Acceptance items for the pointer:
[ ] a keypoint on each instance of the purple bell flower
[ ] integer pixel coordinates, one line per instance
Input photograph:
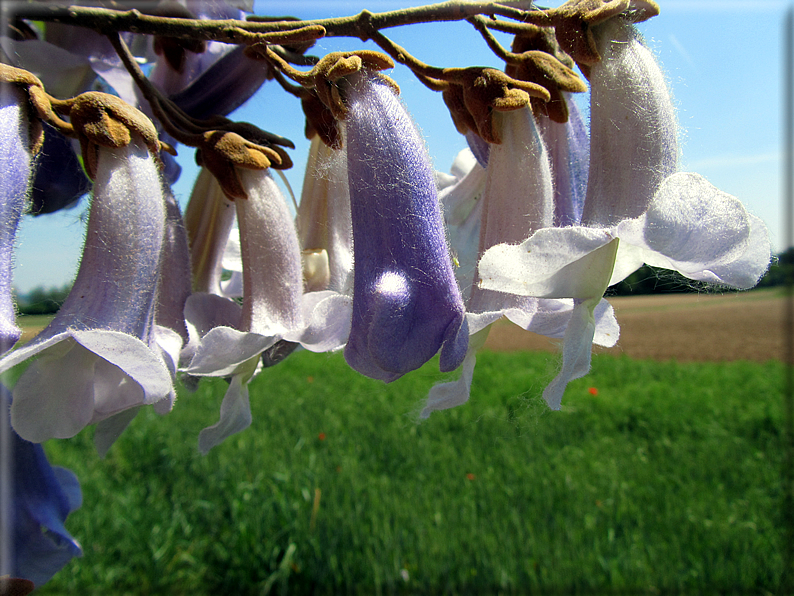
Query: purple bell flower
(224, 86)
(36, 499)
(406, 303)
(59, 179)
(235, 341)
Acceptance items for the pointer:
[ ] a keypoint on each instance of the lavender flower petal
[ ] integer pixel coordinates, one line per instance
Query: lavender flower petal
(406, 303)
(15, 169)
(569, 154)
(40, 498)
(224, 86)
(633, 127)
(60, 181)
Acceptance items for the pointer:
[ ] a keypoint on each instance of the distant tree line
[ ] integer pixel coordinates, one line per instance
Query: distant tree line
(646, 280)
(651, 280)
(782, 270)
(41, 301)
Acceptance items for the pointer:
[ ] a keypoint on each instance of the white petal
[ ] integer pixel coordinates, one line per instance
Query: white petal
(692, 221)
(329, 315)
(553, 316)
(131, 356)
(479, 321)
(703, 233)
(576, 353)
(449, 395)
(630, 257)
(169, 343)
(573, 262)
(550, 319)
(206, 311)
(235, 415)
(224, 350)
(202, 313)
(746, 270)
(444, 180)
(607, 331)
(114, 391)
(11, 359)
(463, 163)
(110, 429)
(54, 397)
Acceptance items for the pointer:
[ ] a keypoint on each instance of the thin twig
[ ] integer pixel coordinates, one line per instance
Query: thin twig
(360, 26)
(515, 28)
(159, 104)
(402, 56)
(296, 90)
(480, 24)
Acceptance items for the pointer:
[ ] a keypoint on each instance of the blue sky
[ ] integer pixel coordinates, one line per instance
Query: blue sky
(723, 60)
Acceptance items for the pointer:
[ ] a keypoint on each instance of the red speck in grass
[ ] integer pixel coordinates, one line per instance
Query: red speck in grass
(470, 476)
(321, 436)
(310, 379)
(592, 391)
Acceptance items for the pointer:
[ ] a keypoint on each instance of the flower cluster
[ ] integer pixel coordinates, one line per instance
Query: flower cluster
(385, 259)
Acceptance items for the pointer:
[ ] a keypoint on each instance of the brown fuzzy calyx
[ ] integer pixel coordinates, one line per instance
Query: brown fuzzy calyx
(104, 120)
(320, 120)
(473, 94)
(574, 20)
(335, 66)
(537, 57)
(39, 102)
(222, 152)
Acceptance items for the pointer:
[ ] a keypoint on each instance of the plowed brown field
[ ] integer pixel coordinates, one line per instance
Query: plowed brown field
(684, 327)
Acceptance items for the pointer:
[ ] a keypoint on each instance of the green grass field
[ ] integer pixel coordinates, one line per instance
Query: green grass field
(668, 480)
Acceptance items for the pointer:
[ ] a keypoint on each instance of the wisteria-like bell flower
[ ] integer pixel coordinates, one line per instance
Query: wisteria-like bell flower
(518, 200)
(275, 309)
(406, 303)
(101, 354)
(637, 210)
(15, 170)
(37, 498)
